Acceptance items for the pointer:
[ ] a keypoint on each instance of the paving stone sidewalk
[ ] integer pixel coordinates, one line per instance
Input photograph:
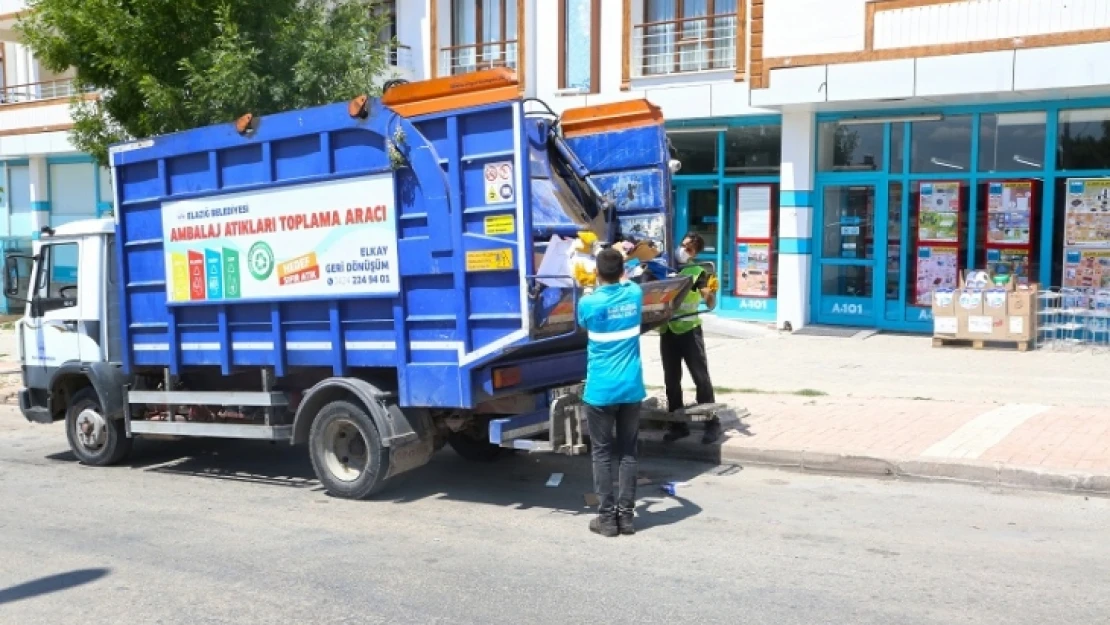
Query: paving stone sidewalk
(1022, 445)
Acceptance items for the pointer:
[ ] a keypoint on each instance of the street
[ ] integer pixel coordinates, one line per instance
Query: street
(227, 532)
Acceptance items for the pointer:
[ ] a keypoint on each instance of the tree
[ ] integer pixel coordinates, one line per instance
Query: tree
(162, 66)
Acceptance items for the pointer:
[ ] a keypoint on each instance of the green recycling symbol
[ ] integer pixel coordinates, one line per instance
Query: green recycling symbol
(260, 261)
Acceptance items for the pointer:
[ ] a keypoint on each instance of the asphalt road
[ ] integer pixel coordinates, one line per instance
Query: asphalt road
(222, 532)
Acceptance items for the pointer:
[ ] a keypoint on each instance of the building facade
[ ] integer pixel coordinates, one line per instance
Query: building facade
(845, 158)
(841, 159)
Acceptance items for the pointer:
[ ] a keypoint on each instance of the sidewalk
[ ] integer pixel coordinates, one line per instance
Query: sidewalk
(892, 366)
(894, 405)
(1022, 445)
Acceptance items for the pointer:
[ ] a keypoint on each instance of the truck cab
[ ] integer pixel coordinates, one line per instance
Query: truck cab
(67, 330)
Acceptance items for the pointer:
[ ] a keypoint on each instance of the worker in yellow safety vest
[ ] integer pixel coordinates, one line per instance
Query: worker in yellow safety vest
(681, 340)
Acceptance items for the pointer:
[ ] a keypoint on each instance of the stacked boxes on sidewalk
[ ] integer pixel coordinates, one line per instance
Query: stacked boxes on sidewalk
(985, 309)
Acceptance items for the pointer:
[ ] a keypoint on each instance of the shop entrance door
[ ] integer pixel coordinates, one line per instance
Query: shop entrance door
(850, 272)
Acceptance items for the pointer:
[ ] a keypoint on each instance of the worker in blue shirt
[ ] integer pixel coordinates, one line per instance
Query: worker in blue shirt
(614, 389)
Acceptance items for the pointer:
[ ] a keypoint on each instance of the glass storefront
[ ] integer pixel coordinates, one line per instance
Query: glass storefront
(727, 192)
(905, 201)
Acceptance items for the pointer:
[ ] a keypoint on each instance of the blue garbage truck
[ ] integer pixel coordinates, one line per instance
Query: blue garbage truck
(361, 278)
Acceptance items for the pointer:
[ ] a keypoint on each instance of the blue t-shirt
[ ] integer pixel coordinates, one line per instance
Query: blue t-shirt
(611, 317)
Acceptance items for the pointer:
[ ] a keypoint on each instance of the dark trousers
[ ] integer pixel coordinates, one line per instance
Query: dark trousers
(602, 421)
(689, 347)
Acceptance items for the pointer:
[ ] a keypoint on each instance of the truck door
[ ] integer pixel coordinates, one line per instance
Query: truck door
(51, 333)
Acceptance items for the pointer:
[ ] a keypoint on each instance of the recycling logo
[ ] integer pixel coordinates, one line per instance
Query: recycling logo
(260, 260)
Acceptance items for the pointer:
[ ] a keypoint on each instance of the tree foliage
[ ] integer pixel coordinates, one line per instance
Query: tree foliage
(162, 66)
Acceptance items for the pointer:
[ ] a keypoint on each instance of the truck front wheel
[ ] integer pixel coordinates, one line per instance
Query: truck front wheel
(347, 451)
(95, 439)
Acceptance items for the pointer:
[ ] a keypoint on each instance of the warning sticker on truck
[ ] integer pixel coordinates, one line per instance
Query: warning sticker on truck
(311, 240)
(499, 183)
(500, 224)
(490, 260)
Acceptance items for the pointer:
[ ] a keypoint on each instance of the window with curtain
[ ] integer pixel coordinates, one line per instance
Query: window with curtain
(687, 36)
(580, 34)
(483, 35)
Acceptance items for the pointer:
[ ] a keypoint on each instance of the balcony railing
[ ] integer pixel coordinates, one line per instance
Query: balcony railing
(474, 57)
(61, 88)
(399, 56)
(693, 44)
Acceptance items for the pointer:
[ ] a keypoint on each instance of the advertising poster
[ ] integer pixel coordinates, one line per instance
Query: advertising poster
(938, 216)
(1009, 212)
(1087, 220)
(937, 268)
(1086, 268)
(753, 270)
(1009, 262)
(753, 212)
(313, 240)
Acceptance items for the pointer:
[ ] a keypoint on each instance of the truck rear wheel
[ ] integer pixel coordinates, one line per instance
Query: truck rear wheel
(347, 451)
(95, 439)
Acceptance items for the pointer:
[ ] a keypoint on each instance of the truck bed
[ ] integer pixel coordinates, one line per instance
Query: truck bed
(402, 243)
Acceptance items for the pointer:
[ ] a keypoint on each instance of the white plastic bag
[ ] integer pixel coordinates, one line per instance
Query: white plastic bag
(557, 262)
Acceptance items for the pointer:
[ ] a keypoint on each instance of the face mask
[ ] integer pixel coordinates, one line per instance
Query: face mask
(682, 255)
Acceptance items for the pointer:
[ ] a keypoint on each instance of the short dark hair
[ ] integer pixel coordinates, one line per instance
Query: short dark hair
(699, 243)
(610, 265)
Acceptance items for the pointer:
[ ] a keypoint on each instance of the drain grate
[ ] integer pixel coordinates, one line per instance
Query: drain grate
(833, 331)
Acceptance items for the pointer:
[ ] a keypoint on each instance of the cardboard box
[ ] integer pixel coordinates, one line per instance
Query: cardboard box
(969, 310)
(994, 309)
(945, 323)
(1021, 312)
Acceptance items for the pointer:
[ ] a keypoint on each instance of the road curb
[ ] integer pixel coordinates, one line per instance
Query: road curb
(965, 472)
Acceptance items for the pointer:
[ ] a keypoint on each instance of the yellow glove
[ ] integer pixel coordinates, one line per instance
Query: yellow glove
(713, 284)
(584, 276)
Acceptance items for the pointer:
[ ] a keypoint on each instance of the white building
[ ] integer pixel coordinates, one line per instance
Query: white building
(809, 130)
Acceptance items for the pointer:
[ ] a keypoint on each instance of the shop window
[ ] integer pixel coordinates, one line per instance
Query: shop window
(942, 146)
(844, 146)
(702, 215)
(579, 38)
(1084, 139)
(697, 151)
(1008, 238)
(937, 244)
(753, 149)
(73, 190)
(897, 148)
(1012, 141)
(483, 35)
(107, 193)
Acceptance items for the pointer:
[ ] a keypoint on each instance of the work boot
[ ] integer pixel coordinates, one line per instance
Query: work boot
(605, 523)
(712, 431)
(676, 431)
(626, 518)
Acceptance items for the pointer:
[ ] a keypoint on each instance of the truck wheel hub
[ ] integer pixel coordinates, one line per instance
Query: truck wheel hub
(91, 429)
(345, 452)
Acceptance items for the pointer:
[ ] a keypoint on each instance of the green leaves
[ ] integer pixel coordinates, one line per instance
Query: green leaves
(168, 65)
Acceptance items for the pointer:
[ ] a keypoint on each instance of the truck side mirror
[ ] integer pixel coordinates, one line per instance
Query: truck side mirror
(12, 277)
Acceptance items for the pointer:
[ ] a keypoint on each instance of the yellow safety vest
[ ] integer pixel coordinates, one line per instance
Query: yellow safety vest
(689, 305)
